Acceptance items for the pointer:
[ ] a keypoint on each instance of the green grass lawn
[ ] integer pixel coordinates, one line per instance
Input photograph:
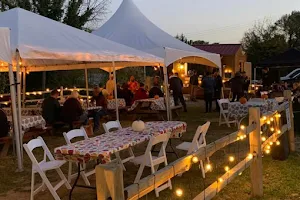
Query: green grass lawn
(280, 177)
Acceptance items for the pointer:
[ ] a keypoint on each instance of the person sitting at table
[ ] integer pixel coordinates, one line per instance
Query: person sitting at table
(155, 90)
(133, 85)
(100, 100)
(72, 110)
(4, 124)
(51, 108)
(126, 94)
(141, 93)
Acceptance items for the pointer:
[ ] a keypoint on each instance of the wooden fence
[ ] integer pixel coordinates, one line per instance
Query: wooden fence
(110, 177)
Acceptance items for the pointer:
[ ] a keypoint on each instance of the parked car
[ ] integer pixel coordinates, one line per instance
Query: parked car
(292, 75)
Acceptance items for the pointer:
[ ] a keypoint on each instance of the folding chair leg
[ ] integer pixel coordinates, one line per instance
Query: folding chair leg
(62, 176)
(83, 175)
(139, 174)
(70, 172)
(49, 186)
(32, 185)
(120, 160)
(202, 168)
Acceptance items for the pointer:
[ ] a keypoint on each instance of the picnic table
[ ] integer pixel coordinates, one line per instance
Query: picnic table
(103, 146)
(111, 104)
(154, 104)
(28, 122)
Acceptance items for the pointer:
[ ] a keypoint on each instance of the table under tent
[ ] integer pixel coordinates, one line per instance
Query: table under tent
(130, 27)
(34, 43)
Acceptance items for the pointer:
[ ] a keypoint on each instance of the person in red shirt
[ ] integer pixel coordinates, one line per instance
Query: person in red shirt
(132, 84)
(141, 93)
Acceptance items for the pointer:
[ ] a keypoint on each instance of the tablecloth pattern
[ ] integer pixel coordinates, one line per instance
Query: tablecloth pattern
(25, 112)
(103, 146)
(155, 104)
(111, 104)
(31, 121)
(237, 110)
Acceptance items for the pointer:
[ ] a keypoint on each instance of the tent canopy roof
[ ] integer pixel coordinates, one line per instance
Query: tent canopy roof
(288, 58)
(130, 27)
(43, 43)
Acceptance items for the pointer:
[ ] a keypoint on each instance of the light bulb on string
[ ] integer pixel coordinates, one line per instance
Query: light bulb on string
(261, 132)
(231, 158)
(208, 167)
(268, 122)
(220, 180)
(226, 168)
(264, 118)
(271, 119)
(271, 143)
(268, 147)
(263, 139)
(195, 159)
(272, 129)
(279, 131)
(242, 127)
(267, 151)
(277, 143)
(250, 156)
(179, 192)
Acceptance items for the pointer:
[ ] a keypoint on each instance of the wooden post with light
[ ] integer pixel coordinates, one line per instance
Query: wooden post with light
(288, 95)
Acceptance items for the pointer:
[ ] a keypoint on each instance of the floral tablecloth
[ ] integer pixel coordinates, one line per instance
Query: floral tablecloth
(155, 104)
(103, 146)
(237, 110)
(25, 111)
(111, 104)
(30, 122)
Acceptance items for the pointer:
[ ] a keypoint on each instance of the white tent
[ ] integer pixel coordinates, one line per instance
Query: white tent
(130, 27)
(45, 45)
(30, 42)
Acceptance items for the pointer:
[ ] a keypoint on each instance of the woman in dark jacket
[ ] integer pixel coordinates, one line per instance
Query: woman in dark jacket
(237, 83)
(208, 84)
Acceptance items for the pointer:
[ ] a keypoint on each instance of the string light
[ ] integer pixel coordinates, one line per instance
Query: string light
(272, 129)
(267, 151)
(279, 131)
(242, 127)
(271, 143)
(226, 168)
(179, 192)
(220, 180)
(1, 96)
(261, 132)
(278, 115)
(34, 93)
(47, 89)
(263, 139)
(272, 119)
(231, 159)
(268, 147)
(20, 63)
(268, 122)
(277, 143)
(208, 167)
(240, 173)
(264, 118)
(250, 156)
(195, 159)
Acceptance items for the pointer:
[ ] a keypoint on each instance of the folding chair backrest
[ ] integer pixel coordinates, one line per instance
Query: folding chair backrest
(221, 103)
(36, 143)
(111, 125)
(74, 134)
(162, 138)
(199, 138)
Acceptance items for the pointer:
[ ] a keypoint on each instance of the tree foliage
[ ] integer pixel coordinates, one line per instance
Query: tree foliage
(267, 39)
(184, 39)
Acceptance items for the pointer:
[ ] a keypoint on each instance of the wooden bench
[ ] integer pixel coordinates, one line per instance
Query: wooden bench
(144, 109)
(175, 112)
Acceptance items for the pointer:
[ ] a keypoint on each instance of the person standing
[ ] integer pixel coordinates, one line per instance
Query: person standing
(110, 85)
(218, 88)
(176, 86)
(133, 85)
(266, 79)
(194, 84)
(51, 108)
(208, 84)
(155, 90)
(236, 86)
(246, 83)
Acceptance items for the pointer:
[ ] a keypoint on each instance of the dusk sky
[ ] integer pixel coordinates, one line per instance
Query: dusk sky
(211, 20)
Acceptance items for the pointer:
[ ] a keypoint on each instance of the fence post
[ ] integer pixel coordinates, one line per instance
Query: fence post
(109, 181)
(256, 169)
(288, 96)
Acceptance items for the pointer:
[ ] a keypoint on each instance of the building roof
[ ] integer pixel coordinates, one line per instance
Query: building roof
(291, 57)
(222, 49)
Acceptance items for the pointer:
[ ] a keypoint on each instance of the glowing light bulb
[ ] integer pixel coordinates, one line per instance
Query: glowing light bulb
(256, 88)
(231, 158)
(226, 168)
(261, 132)
(277, 143)
(208, 167)
(47, 89)
(240, 173)
(220, 180)
(40, 93)
(272, 119)
(238, 138)
(27, 72)
(264, 118)
(34, 93)
(272, 129)
(267, 151)
(179, 192)
(250, 156)
(242, 127)
(271, 143)
(279, 131)
(27, 93)
(268, 122)
(20, 63)
(195, 159)
(268, 147)
(263, 139)
(1, 96)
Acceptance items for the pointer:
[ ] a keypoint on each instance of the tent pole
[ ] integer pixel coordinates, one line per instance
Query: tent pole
(86, 85)
(116, 92)
(145, 74)
(15, 116)
(165, 69)
(18, 74)
(24, 87)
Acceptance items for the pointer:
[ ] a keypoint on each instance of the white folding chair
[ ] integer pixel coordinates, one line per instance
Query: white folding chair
(117, 125)
(198, 142)
(43, 166)
(68, 137)
(153, 161)
(224, 112)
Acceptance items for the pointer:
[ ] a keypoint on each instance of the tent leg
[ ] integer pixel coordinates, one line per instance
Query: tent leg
(145, 74)
(24, 87)
(169, 114)
(116, 93)
(86, 86)
(15, 117)
(19, 105)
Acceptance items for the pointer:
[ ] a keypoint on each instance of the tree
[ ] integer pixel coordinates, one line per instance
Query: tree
(184, 39)
(262, 42)
(289, 26)
(200, 42)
